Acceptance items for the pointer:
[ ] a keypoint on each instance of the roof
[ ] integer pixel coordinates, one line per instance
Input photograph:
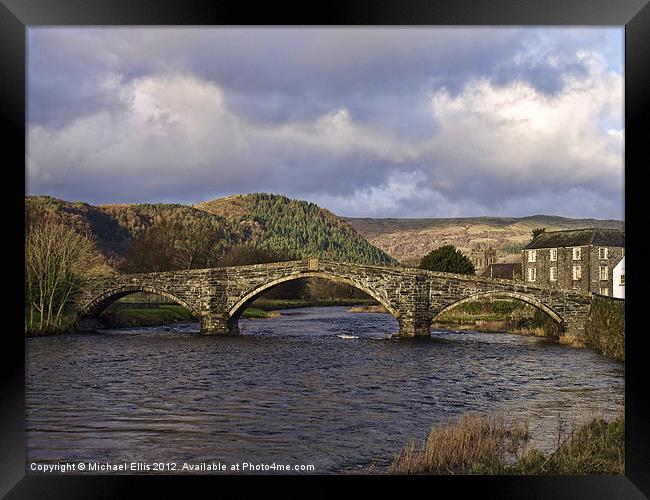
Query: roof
(502, 270)
(579, 237)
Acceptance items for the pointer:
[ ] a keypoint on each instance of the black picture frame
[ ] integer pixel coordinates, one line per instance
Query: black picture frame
(17, 15)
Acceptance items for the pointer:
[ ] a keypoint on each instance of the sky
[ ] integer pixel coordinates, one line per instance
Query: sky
(367, 122)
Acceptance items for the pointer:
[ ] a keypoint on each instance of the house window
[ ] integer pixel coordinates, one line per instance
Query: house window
(552, 274)
(532, 274)
(604, 290)
(553, 254)
(576, 253)
(603, 274)
(622, 280)
(532, 255)
(602, 252)
(577, 272)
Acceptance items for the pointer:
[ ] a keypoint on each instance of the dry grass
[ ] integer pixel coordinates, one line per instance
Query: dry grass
(474, 440)
(595, 447)
(480, 444)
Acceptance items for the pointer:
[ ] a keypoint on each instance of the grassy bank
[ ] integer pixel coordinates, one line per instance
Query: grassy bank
(164, 314)
(498, 315)
(67, 326)
(480, 444)
(255, 313)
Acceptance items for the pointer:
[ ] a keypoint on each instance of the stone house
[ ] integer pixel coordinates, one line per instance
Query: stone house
(582, 259)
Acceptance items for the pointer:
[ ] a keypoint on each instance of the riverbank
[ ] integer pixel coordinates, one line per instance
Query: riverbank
(163, 314)
(493, 316)
(66, 327)
(490, 444)
(275, 304)
(369, 309)
(491, 326)
(134, 314)
(498, 315)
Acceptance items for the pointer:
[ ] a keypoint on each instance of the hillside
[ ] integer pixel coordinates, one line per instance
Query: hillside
(303, 228)
(266, 221)
(114, 226)
(279, 223)
(409, 239)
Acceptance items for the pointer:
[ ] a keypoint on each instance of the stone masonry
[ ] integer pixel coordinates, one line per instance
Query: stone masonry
(218, 296)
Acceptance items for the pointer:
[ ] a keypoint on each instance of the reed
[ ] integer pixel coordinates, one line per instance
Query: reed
(474, 440)
(491, 444)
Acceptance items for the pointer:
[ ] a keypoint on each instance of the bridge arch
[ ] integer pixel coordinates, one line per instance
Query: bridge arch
(238, 308)
(529, 299)
(106, 298)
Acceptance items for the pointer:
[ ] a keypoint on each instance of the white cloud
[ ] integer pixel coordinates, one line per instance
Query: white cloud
(518, 135)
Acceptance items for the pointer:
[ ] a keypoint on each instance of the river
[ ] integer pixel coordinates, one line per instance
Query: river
(318, 385)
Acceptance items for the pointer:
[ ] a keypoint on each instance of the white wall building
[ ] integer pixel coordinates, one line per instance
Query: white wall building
(618, 275)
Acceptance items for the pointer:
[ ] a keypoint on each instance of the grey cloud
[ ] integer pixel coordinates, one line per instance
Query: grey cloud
(277, 85)
(311, 68)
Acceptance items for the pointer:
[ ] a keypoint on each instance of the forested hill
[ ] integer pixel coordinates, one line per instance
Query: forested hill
(303, 228)
(264, 221)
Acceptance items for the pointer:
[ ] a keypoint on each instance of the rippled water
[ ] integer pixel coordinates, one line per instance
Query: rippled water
(317, 386)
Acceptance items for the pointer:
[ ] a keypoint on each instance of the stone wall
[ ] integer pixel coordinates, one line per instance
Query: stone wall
(605, 327)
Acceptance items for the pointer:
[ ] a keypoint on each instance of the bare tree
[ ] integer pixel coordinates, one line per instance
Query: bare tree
(197, 244)
(152, 250)
(172, 244)
(57, 258)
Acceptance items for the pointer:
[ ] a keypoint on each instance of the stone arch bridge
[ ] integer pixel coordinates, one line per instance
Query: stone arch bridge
(218, 296)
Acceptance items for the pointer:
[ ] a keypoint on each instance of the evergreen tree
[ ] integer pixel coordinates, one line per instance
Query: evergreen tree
(537, 231)
(447, 259)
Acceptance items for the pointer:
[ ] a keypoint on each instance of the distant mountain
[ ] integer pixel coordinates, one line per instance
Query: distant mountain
(304, 228)
(262, 220)
(409, 239)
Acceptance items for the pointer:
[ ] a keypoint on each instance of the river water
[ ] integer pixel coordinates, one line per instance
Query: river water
(318, 386)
